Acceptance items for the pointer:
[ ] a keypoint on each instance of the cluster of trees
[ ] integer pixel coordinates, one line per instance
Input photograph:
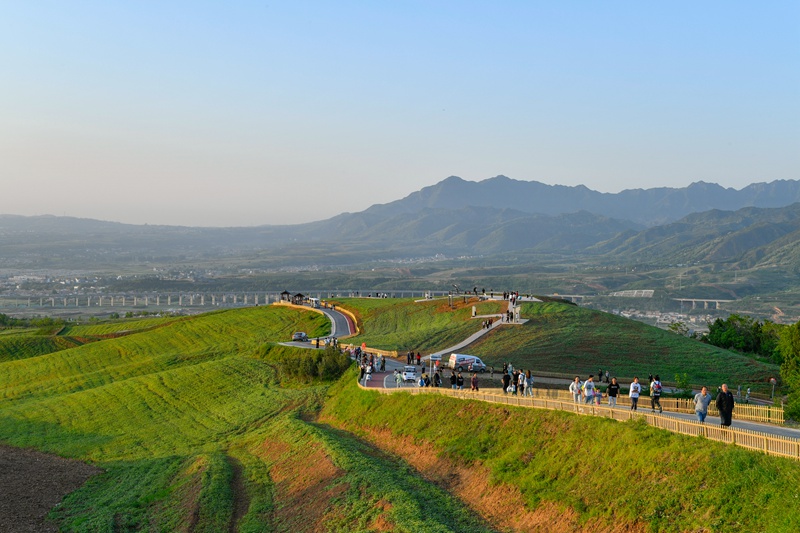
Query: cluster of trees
(779, 343)
(303, 365)
(789, 346)
(747, 335)
(37, 322)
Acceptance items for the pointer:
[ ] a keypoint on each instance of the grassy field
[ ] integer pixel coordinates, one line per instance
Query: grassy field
(25, 344)
(568, 339)
(195, 434)
(112, 327)
(601, 472)
(428, 326)
(205, 337)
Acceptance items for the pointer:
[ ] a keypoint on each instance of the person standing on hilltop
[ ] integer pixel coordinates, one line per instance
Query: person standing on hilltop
(635, 391)
(725, 406)
(575, 389)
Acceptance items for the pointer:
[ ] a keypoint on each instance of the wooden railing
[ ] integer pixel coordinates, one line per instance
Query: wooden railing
(767, 414)
(769, 444)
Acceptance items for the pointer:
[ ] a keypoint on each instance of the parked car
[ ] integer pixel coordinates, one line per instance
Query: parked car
(469, 363)
(300, 336)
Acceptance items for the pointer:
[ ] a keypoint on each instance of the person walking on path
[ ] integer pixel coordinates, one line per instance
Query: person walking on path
(612, 390)
(655, 395)
(506, 382)
(725, 405)
(383, 364)
(635, 391)
(474, 382)
(588, 390)
(453, 380)
(701, 401)
(419, 359)
(529, 383)
(521, 383)
(575, 389)
(460, 382)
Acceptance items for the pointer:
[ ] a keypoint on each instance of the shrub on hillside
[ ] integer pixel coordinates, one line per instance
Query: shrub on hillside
(298, 364)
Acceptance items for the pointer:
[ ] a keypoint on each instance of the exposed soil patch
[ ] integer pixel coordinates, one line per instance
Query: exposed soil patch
(303, 486)
(33, 483)
(502, 505)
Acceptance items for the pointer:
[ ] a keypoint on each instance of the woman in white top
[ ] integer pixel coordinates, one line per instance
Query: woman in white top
(636, 389)
(575, 389)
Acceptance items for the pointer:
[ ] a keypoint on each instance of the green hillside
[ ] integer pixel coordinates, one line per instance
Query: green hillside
(195, 432)
(205, 337)
(427, 326)
(568, 339)
(573, 473)
(26, 344)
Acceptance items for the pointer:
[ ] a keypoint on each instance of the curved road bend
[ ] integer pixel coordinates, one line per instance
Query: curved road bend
(341, 326)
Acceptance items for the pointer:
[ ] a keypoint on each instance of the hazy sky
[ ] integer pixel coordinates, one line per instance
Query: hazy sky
(244, 113)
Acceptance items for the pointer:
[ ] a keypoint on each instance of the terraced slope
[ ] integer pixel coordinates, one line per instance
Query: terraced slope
(194, 434)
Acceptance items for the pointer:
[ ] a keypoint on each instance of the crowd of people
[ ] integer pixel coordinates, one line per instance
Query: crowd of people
(520, 382)
(587, 392)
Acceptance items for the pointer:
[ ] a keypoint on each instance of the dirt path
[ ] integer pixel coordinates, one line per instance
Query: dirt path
(240, 498)
(32, 483)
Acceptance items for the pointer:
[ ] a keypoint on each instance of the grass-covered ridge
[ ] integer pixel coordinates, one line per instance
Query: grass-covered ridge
(403, 324)
(206, 337)
(195, 433)
(572, 340)
(606, 473)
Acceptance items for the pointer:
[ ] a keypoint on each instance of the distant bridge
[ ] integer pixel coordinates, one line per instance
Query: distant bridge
(706, 301)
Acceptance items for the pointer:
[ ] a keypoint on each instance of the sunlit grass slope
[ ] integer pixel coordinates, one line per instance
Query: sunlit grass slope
(194, 434)
(206, 337)
(568, 339)
(610, 472)
(25, 344)
(118, 326)
(428, 326)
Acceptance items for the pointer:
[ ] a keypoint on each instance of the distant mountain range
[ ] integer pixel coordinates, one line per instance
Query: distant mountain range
(702, 222)
(648, 207)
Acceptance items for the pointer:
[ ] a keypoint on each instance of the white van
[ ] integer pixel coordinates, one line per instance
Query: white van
(461, 362)
(314, 302)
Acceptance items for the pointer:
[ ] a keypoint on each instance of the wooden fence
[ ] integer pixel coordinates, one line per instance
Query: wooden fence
(769, 444)
(754, 413)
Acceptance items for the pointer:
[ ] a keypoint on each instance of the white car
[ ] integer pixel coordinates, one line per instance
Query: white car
(410, 373)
